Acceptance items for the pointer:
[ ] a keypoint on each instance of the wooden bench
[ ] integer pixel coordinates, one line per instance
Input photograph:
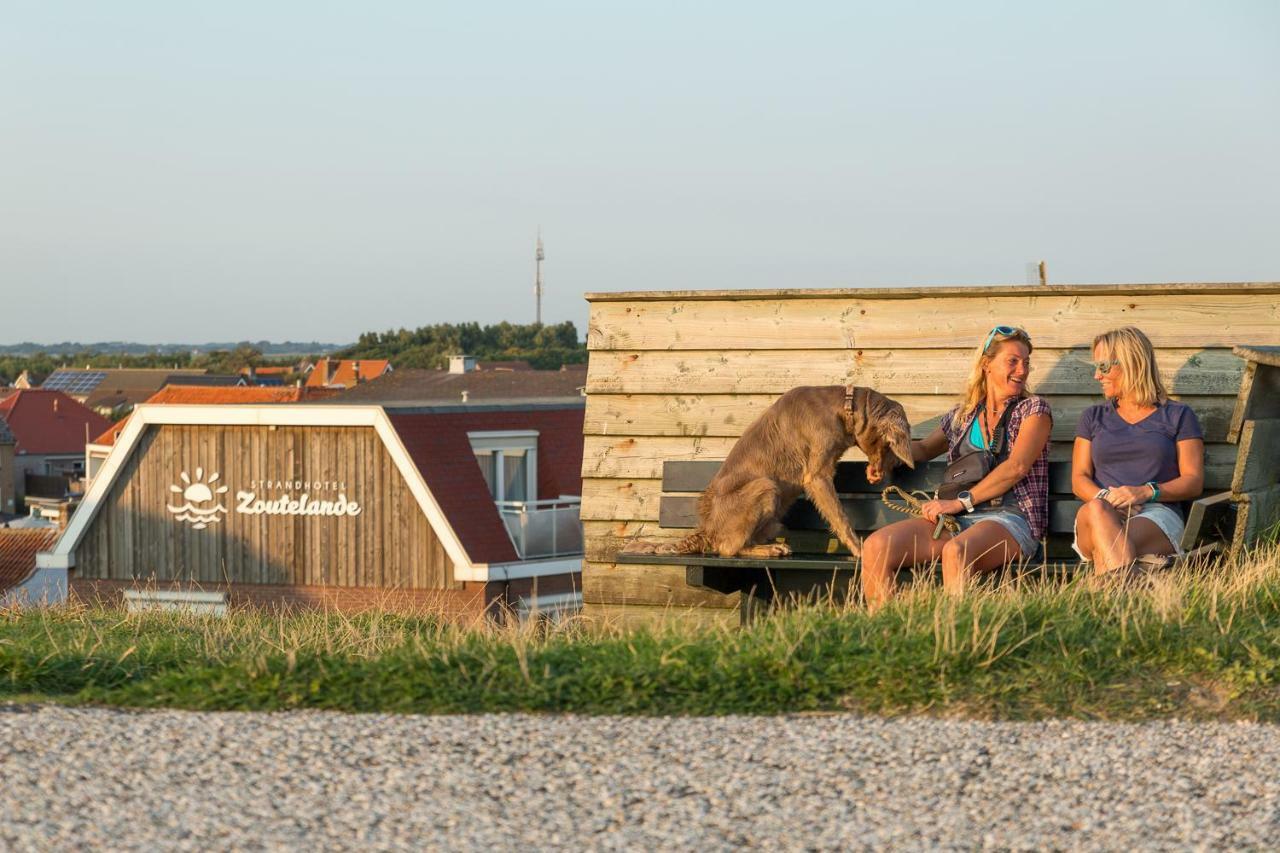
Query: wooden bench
(819, 560)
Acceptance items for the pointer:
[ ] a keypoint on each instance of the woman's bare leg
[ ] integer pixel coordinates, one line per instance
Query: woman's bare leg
(884, 552)
(1112, 540)
(986, 546)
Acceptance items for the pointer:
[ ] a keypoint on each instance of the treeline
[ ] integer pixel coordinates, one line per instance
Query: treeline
(113, 349)
(218, 361)
(544, 347)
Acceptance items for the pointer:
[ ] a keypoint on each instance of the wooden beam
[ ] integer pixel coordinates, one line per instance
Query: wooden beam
(1258, 515)
(971, 291)
(1258, 464)
(889, 371)
(1258, 398)
(729, 415)
(1260, 354)
(1211, 517)
(1056, 321)
(650, 584)
(642, 456)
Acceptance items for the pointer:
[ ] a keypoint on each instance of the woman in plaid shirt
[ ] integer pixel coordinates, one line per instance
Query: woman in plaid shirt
(1003, 517)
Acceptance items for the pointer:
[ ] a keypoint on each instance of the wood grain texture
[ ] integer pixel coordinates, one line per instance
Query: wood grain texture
(729, 415)
(1258, 397)
(642, 456)
(1258, 515)
(1188, 320)
(970, 291)
(889, 371)
(663, 586)
(389, 544)
(1258, 463)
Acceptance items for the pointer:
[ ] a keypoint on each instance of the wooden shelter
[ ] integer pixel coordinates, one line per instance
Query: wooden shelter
(678, 375)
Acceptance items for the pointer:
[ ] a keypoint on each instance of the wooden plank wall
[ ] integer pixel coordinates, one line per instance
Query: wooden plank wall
(390, 544)
(679, 375)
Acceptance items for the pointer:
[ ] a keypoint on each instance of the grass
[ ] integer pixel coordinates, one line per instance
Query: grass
(1199, 644)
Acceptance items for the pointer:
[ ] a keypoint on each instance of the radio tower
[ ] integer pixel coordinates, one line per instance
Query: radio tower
(538, 255)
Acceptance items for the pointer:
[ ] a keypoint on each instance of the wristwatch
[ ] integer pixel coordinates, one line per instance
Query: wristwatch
(966, 498)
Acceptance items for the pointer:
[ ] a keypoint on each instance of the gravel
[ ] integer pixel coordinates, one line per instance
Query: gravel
(111, 779)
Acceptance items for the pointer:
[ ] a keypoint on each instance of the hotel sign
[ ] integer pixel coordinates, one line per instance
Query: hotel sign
(202, 499)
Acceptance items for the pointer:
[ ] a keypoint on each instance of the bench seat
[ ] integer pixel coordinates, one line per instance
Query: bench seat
(818, 556)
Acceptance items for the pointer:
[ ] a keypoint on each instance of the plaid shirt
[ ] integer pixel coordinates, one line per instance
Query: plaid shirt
(1031, 493)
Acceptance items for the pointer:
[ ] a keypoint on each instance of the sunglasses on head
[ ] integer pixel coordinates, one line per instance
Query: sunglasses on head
(1007, 331)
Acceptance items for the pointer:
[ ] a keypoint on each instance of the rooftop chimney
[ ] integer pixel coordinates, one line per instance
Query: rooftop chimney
(465, 394)
(355, 368)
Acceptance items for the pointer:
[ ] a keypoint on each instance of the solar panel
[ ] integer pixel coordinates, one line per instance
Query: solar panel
(74, 381)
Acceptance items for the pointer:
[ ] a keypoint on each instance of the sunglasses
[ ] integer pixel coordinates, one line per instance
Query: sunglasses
(1102, 368)
(1007, 331)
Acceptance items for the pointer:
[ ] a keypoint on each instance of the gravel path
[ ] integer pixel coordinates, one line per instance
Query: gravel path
(107, 779)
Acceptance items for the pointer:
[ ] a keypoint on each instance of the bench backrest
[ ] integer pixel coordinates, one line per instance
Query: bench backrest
(682, 482)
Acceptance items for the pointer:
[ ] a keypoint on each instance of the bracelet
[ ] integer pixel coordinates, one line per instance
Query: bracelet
(1102, 493)
(1155, 491)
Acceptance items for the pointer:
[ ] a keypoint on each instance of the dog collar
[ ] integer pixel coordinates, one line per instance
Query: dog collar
(848, 398)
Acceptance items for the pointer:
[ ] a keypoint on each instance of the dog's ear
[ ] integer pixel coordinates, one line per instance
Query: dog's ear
(898, 435)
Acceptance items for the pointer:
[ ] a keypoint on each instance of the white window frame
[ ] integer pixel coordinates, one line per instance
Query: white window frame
(517, 442)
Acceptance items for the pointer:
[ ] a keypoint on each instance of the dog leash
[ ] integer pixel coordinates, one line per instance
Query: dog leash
(914, 501)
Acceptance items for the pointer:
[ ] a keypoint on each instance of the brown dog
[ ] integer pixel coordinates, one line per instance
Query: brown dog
(792, 449)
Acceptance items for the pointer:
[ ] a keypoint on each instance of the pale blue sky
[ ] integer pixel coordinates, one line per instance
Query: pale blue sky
(183, 171)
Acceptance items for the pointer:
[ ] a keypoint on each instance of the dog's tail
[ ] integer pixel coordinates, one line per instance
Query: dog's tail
(695, 543)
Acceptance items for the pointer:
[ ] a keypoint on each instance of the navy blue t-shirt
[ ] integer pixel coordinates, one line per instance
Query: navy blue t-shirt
(1126, 454)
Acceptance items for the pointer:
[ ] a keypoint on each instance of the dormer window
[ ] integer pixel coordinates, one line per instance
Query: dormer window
(509, 462)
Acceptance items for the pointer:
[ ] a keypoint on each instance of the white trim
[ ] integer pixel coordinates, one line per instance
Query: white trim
(488, 439)
(523, 569)
(261, 415)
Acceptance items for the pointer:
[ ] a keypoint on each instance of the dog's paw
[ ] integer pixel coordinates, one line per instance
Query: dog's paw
(779, 549)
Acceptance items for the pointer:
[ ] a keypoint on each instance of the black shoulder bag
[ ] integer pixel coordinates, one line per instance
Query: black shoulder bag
(968, 470)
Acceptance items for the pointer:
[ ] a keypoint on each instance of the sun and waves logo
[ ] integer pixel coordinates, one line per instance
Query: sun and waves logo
(201, 506)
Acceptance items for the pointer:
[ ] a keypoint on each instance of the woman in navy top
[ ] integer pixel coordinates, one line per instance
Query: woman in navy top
(1137, 456)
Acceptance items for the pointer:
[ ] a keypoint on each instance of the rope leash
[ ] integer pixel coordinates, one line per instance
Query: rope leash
(913, 502)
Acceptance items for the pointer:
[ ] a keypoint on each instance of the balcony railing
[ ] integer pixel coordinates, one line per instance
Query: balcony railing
(547, 528)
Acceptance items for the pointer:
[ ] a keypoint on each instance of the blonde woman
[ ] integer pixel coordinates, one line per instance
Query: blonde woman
(1136, 457)
(1003, 517)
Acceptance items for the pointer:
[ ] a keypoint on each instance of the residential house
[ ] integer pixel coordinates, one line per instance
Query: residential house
(459, 510)
(346, 373)
(468, 383)
(50, 430)
(113, 392)
(8, 491)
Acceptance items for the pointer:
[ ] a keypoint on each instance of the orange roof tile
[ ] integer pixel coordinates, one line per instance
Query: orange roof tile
(329, 372)
(210, 395)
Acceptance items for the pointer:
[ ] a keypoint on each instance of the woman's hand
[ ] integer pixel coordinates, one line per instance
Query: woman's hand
(1126, 497)
(932, 509)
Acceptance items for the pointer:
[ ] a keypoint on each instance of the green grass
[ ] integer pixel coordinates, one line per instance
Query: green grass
(1198, 644)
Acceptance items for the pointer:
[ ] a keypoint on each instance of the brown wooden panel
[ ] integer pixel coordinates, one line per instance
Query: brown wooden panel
(611, 583)
(390, 543)
(1188, 320)
(1258, 397)
(889, 371)
(1258, 464)
(729, 415)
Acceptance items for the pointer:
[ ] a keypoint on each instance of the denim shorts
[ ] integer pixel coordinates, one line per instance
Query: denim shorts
(1010, 519)
(1161, 515)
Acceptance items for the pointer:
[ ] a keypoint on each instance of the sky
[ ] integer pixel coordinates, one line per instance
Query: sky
(312, 170)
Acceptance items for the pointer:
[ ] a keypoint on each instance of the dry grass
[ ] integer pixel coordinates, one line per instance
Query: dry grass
(1198, 642)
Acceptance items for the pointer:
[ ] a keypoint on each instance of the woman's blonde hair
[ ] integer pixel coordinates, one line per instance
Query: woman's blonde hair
(1132, 349)
(976, 389)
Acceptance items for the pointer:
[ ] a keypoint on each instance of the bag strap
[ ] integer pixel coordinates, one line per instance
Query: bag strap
(999, 434)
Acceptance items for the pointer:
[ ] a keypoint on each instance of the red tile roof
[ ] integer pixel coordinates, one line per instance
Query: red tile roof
(18, 549)
(343, 372)
(437, 443)
(49, 421)
(210, 395)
